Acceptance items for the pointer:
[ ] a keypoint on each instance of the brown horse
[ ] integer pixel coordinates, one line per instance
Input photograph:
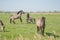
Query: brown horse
(16, 16)
(40, 23)
(2, 26)
(30, 19)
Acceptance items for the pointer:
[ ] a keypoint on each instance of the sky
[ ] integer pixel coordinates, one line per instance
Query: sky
(29, 5)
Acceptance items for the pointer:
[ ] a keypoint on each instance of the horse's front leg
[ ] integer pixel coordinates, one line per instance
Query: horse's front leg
(13, 21)
(37, 28)
(43, 30)
(20, 19)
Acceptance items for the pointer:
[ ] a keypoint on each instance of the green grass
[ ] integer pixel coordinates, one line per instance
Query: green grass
(26, 31)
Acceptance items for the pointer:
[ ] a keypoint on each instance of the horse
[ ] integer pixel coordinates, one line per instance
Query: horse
(40, 23)
(30, 18)
(2, 26)
(16, 16)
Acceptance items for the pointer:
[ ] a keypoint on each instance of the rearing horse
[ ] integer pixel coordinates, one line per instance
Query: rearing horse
(16, 16)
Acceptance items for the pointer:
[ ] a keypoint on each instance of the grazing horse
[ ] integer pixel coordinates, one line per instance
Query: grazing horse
(30, 19)
(2, 26)
(16, 16)
(40, 23)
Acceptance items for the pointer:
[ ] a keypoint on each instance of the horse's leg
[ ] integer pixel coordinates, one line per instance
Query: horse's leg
(13, 21)
(43, 30)
(37, 28)
(20, 19)
(2, 28)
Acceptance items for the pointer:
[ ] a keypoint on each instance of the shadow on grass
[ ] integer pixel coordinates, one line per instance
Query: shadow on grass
(52, 34)
(5, 31)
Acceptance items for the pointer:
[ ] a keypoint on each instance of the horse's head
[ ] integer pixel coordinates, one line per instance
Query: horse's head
(43, 18)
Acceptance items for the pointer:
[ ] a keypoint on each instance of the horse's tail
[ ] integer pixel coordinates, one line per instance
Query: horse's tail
(10, 20)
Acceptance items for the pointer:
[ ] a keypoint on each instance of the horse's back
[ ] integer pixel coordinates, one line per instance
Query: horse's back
(39, 23)
(13, 15)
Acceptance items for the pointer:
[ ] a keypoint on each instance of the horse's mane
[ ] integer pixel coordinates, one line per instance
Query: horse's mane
(19, 12)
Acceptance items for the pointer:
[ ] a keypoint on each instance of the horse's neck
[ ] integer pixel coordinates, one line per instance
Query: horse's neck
(19, 15)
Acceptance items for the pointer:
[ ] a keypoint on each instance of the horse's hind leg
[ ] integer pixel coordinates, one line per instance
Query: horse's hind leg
(14, 22)
(3, 28)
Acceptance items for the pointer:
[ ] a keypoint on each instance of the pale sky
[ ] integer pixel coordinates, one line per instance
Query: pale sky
(29, 5)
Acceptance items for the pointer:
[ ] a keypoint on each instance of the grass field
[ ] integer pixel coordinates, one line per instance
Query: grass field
(24, 31)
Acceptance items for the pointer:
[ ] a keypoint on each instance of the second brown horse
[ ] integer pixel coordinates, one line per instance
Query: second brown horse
(40, 23)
